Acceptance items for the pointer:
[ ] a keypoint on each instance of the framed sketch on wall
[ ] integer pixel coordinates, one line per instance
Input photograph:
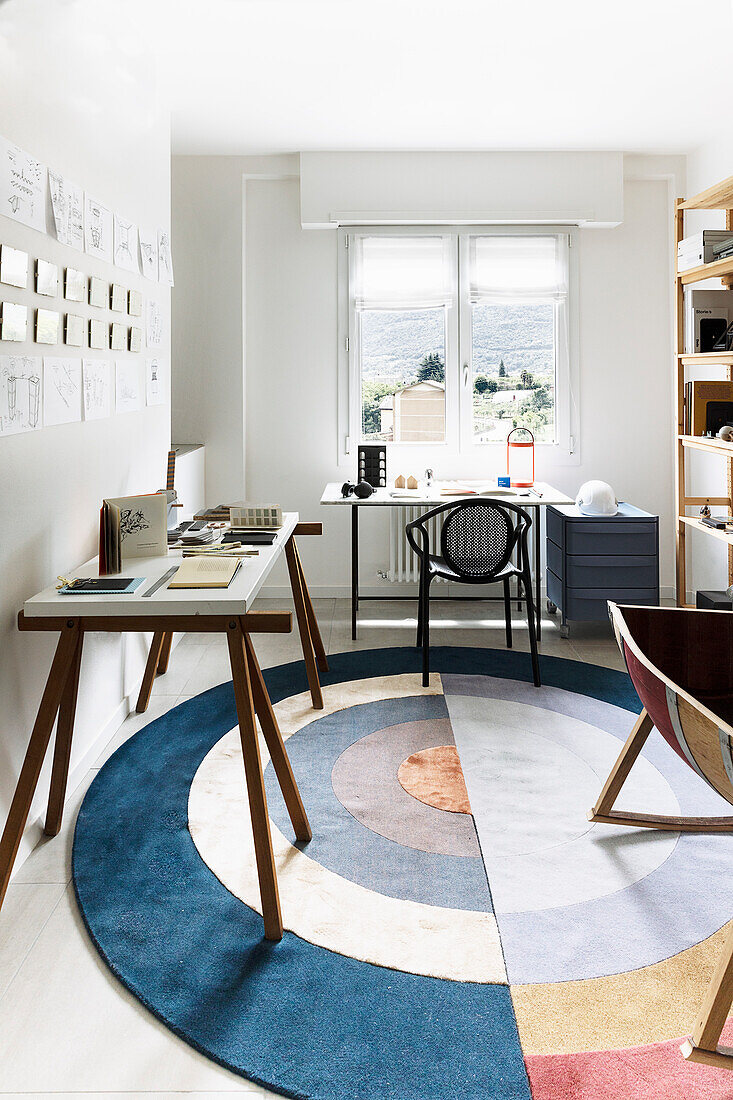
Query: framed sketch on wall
(47, 326)
(118, 298)
(98, 292)
(75, 285)
(99, 335)
(47, 278)
(74, 330)
(119, 336)
(13, 266)
(13, 322)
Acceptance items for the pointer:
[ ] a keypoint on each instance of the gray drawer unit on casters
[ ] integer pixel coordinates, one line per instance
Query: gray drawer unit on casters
(593, 559)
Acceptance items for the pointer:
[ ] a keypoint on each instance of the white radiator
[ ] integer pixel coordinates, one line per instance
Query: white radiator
(404, 564)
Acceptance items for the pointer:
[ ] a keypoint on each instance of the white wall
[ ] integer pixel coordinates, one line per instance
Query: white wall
(208, 348)
(291, 364)
(94, 116)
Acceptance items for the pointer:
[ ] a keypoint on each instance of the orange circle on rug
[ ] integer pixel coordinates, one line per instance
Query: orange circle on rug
(435, 777)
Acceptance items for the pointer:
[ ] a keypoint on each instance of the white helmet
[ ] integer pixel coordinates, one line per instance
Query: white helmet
(597, 498)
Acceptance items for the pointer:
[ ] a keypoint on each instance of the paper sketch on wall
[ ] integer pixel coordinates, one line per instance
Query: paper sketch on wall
(149, 254)
(165, 260)
(61, 390)
(154, 393)
(98, 230)
(96, 378)
(67, 204)
(125, 244)
(22, 187)
(21, 394)
(154, 324)
(128, 395)
(13, 322)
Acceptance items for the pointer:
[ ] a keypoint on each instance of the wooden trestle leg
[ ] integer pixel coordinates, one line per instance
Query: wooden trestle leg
(67, 651)
(151, 671)
(165, 653)
(62, 748)
(264, 855)
(604, 814)
(276, 746)
(308, 638)
(703, 1045)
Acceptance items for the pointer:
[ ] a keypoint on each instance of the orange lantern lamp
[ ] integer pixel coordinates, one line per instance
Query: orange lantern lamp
(520, 459)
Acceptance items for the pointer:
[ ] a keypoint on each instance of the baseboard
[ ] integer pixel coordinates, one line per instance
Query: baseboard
(409, 591)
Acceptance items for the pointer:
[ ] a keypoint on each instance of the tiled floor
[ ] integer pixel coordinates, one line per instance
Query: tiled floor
(67, 1028)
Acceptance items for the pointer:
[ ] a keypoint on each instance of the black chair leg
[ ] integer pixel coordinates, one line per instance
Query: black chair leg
(508, 612)
(426, 632)
(527, 585)
(418, 643)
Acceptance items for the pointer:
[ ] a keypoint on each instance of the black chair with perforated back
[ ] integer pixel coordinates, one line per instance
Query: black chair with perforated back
(477, 541)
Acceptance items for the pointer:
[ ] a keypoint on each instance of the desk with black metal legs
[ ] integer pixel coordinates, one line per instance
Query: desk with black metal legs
(535, 499)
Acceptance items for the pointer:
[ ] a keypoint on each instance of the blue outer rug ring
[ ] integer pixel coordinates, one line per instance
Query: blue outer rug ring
(296, 1018)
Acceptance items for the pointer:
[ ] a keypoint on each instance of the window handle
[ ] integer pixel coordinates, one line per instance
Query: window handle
(466, 374)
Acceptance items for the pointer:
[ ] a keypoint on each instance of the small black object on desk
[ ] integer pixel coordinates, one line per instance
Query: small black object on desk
(362, 490)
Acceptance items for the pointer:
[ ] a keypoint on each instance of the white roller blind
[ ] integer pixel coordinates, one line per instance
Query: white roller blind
(521, 268)
(402, 272)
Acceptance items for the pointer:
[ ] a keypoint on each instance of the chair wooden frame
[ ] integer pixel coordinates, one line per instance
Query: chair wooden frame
(314, 652)
(699, 726)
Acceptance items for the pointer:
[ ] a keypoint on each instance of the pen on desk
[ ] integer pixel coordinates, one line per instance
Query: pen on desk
(536, 493)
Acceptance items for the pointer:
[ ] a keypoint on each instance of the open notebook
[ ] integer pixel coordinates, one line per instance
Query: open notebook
(206, 572)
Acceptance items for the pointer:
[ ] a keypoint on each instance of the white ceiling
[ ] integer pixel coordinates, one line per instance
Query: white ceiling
(252, 76)
(287, 75)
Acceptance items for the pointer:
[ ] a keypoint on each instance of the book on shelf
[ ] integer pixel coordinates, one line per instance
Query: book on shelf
(708, 405)
(699, 249)
(206, 571)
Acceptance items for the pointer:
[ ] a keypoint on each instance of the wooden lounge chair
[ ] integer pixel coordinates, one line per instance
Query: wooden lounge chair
(681, 664)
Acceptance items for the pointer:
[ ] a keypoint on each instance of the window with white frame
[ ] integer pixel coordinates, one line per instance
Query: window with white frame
(456, 336)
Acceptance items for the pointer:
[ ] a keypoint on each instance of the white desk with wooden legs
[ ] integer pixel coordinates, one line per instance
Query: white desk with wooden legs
(228, 611)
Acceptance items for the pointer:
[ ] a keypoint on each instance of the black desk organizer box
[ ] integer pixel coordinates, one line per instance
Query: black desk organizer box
(372, 464)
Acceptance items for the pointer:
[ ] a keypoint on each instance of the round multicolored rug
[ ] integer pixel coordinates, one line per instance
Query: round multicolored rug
(455, 928)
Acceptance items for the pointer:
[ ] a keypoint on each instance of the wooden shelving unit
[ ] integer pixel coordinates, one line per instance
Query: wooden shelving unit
(718, 197)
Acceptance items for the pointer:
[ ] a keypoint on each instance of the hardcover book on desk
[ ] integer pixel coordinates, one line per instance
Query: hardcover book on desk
(142, 522)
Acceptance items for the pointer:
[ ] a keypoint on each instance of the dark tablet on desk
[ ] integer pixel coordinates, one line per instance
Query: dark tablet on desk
(101, 586)
(251, 538)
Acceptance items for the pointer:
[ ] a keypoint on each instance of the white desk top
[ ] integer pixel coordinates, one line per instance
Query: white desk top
(234, 600)
(431, 497)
